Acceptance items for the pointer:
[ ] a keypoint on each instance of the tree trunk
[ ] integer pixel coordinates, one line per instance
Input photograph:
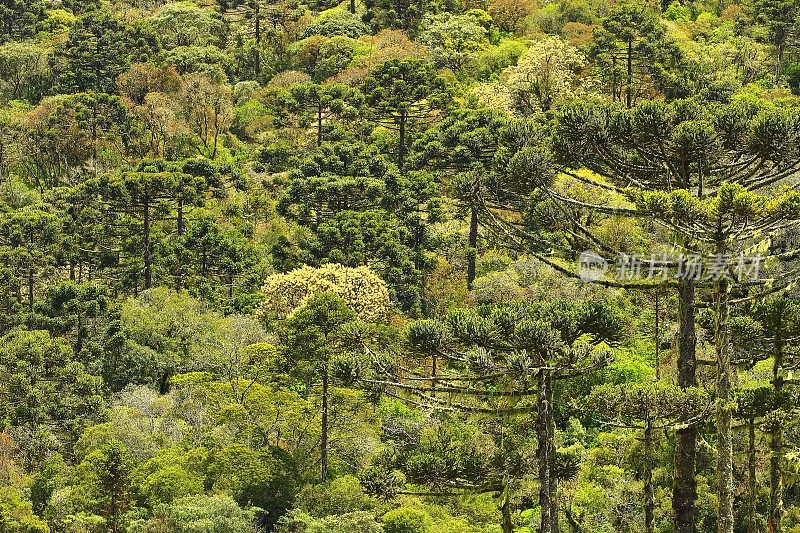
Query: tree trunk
(543, 457)
(319, 124)
(324, 438)
(649, 498)
(216, 137)
(775, 479)
(434, 370)
(472, 253)
(78, 334)
(401, 148)
(776, 444)
(148, 274)
(258, 42)
(629, 77)
(657, 335)
(507, 525)
(94, 139)
(724, 410)
(751, 475)
(684, 487)
(551, 450)
(30, 288)
(181, 230)
(353, 7)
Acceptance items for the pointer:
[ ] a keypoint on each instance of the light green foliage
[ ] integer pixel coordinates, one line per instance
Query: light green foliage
(200, 514)
(452, 39)
(337, 22)
(186, 24)
(168, 476)
(308, 266)
(260, 478)
(164, 331)
(550, 72)
(208, 60)
(23, 71)
(16, 514)
(342, 495)
(325, 57)
(57, 21)
(406, 520)
(338, 523)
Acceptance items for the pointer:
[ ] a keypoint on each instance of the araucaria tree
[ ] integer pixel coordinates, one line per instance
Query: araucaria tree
(319, 315)
(463, 147)
(710, 177)
(648, 407)
(401, 93)
(502, 361)
(399, 266)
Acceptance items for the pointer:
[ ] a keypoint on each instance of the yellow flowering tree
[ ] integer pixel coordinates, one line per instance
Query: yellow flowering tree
(360, 288)
(550, 72)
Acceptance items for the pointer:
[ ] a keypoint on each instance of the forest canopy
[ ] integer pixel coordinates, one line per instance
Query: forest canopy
(394, 266)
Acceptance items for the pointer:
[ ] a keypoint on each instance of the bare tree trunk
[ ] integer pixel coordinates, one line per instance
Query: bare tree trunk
(324, 437)
(319, 124)
(472, 252)
(649, 497)
(551, 449)
(148, 274)
(776, 446)
(507, 524)
(30, 287)
(434, 370)
(751, 475)
(775, 479)
(258, 41)
(684, 488)
(657, 336)
(724, 410)
(543, 457)
(401, 149)
(181, 230)
(629, 77)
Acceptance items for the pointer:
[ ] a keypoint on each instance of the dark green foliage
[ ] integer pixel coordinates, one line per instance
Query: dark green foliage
(46, 385)
(360, 209)
(18, 18)
(277, 335)
(99, 49)
(636, 57)
(337, 23)
(403, 14)
(402, 92)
